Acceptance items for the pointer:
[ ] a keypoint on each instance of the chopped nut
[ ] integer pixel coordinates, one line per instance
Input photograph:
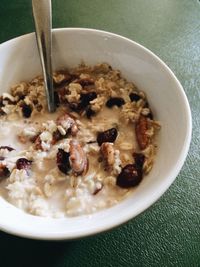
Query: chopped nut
(108, 154)
(78, 158)
(141, 129)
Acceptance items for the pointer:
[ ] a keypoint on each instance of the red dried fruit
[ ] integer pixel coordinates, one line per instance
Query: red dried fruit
(86, 98)
(134, 97)
(2, 158)
(139, 159)
(115, 101)
(84, 102)
(57, 136)
(85, 81)
(68, 78)
(38, 143)
(109, 135)
(63, 161)
(75, 106)
(141, 128)
(23, 163)
(89, 112)
(4, 172)
(61, 92)
(7, 147)
(129, 176)
(26, 110)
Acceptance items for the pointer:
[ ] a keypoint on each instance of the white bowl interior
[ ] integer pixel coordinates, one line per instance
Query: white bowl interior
(20, 61)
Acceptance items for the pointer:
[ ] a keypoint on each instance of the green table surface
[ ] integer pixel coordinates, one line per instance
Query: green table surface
(168, 233)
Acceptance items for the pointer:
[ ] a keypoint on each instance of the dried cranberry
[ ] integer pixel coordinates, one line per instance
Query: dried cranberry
(56, 137)
(21, 96)
(4, 172)
(89, 112)
(26, 110)
(35, 102)
(115, 101)
(7, 147)
(68, 78)
(34, 138)
(75, 106)
(139, 159)
(63, 161)
(134, 97)
(23, 163)
(84, 103)
(86, 98)
(2, 158)
(108, 136)
(85, 81)
(130, 176)
(38, 143)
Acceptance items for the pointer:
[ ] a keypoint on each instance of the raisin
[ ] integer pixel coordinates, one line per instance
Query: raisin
(130, 176)
(115, 101)
(134, 97)
(86, 98)
(85, 82)
(34, 138)
(75, 106)
(7, 147)
(2, 158)
(68, 78)
(63, 161)
(21, 97)
(61, 94)
(4, 172)
(56, 137)
(23, 163)
(84, 103)
(139, 159)
(38, 143)
(108, 136)
(89, 112)
(35, 102)
(26, 110)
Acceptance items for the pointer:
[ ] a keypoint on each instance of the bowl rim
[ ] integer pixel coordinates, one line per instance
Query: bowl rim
(165, 185)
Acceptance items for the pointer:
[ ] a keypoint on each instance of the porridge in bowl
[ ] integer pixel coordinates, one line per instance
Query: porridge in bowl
(88, 155)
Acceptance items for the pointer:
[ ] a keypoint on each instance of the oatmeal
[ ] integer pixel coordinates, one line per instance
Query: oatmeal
(88, 155)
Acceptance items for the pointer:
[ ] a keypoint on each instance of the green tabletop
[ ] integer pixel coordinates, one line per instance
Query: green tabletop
(167, 234)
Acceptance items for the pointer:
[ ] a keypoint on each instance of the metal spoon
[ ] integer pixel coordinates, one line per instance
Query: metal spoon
(43, 24)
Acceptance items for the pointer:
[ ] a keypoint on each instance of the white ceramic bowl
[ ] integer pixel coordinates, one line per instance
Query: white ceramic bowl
(20, 61)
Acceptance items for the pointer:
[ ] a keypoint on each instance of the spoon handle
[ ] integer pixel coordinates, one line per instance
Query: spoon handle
(43, 24)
